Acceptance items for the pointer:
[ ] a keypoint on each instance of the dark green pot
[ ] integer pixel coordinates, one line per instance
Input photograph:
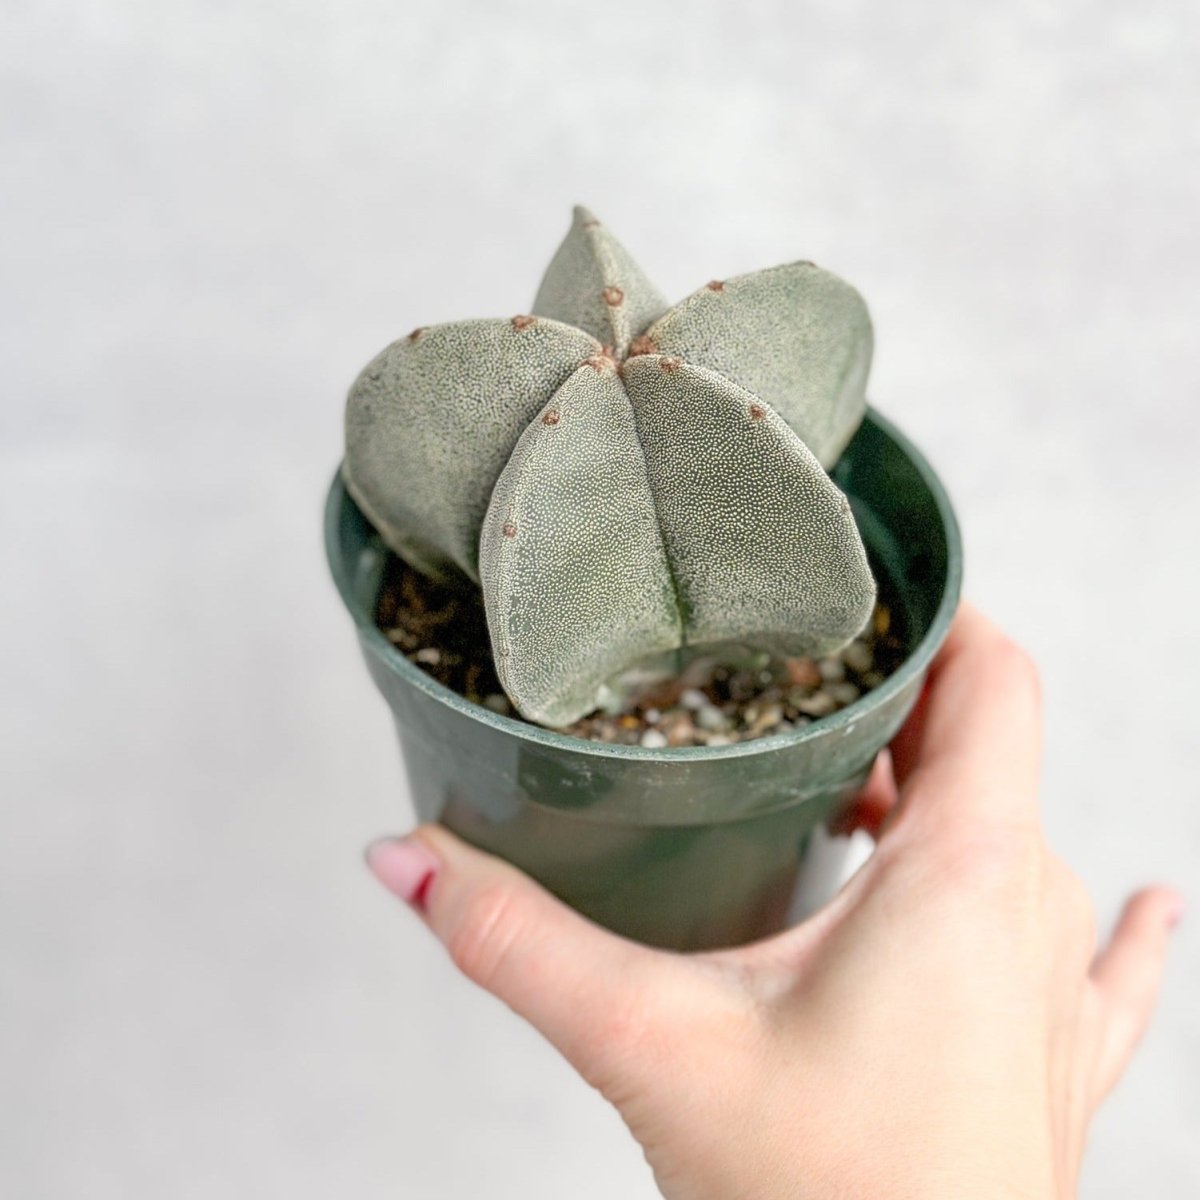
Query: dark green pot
(688, 848)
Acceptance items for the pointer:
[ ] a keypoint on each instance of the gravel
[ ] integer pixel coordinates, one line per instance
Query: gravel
(713, 703)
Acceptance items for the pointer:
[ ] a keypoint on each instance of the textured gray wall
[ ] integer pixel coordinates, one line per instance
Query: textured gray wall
(213, 214)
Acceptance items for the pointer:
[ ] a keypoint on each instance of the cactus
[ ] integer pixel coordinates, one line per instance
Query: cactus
(628, 483)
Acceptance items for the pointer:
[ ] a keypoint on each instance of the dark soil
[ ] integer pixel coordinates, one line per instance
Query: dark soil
(442, 629)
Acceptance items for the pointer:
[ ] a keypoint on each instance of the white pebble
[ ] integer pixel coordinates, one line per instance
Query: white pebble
(819, 705)
(654, 739)
(709, 717)
(858, 657)
(833, 670)
(769, 718)
(694, 699)
(652, 715)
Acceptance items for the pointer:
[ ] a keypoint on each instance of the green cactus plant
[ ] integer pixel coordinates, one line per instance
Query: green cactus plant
(628, 483)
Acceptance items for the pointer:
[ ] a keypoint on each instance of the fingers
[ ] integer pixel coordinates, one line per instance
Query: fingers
(972, 746)
(870, 808)
(572, 980)
(1127, 974)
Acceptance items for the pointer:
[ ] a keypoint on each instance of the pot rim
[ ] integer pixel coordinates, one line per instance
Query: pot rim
(841, 722)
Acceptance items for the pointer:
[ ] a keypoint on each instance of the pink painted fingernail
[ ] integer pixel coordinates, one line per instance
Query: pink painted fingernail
(405, 866)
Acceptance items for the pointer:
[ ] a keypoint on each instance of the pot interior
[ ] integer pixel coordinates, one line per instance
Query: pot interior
(899, 504)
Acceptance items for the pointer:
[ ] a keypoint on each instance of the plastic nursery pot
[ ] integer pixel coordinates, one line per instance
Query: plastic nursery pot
(688, 848)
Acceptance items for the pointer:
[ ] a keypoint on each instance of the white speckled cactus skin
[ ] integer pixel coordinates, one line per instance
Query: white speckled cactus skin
(593, 283)
(432, 420)
(623, 479)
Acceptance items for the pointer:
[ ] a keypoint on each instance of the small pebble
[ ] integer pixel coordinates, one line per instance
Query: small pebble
(844, 693)
(833, 670)
(771, 717)
(497, 703)
(717, 739)
(430, 655)
(711, 718)
(662, 695)
(820, 704)
(872, 679)
(654, 739)
(858, 657)
(652, 716)
(694, 699)
(678, 729)
(803, 673)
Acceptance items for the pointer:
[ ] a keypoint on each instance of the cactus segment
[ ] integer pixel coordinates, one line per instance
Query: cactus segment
(431, 421)
(575, 578)
(654, 509)
(592, 282)
(762, 544)
(796, 336)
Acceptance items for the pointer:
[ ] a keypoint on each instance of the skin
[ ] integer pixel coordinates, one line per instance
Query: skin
(944, 1027)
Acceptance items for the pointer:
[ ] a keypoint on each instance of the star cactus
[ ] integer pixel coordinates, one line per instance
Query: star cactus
(629, 483)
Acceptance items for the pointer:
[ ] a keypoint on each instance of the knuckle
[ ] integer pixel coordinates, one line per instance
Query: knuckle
(984, 861)
(1018, 667)
(1072, 907)
(486, 931)
(1075, 903)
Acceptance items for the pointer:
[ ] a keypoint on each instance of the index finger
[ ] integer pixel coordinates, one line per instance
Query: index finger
(971, 749)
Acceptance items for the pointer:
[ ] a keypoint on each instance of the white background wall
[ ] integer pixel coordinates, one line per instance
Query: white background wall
(212, 214)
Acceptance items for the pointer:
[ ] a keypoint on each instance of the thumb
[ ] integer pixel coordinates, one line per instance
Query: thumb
(585, 989)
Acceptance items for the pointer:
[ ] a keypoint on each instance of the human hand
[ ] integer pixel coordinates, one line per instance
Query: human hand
(944, 1027)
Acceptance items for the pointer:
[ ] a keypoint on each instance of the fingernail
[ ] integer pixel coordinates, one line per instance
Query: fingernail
(1176, 911)
(405, 866)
